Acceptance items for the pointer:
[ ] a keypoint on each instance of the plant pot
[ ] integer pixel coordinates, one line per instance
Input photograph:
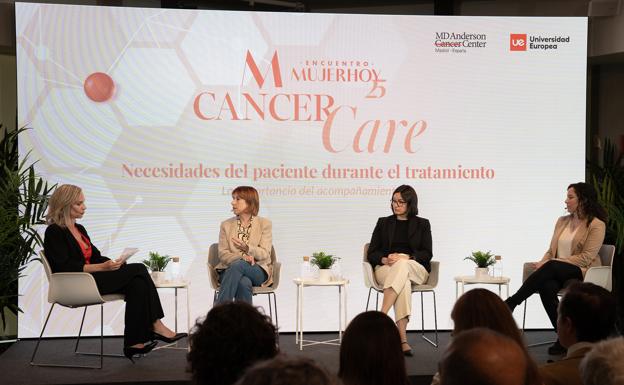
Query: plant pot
(158, 276)
(325, 275)
(481, 272)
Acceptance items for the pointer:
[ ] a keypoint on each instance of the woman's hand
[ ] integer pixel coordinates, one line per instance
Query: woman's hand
(392, 258)
(242, 246)
(249, 259)
(109, 265)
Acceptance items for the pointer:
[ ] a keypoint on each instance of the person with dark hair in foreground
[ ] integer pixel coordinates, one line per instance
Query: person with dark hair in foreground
(370, 352)
(400, 252)
(573, 249)
(484, 357)
(586, 315)
(232, 337)
(480, 308)
(283, 370)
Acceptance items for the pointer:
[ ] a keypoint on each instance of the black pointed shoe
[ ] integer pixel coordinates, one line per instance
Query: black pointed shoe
(130, 352)
(159, 337)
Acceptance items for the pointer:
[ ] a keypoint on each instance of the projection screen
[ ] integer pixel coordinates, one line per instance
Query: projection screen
(158, 114)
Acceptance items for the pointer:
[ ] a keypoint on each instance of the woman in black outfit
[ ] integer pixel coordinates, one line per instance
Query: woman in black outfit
(68, 248)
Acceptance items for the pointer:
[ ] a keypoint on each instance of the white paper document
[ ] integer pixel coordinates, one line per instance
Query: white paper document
(127, 253)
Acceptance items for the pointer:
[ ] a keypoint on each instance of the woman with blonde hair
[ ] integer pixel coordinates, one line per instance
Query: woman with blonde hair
(245, 244)
(68, 248)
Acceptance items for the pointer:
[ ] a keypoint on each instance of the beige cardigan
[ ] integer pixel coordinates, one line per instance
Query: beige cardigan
(585, 244)
(260, 245)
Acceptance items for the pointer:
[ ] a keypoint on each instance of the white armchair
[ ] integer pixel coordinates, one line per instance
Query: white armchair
(598, 275)
(75, 290)
(427, 287)
(213, 261)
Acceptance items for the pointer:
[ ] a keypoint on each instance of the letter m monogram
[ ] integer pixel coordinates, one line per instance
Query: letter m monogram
(253, 67)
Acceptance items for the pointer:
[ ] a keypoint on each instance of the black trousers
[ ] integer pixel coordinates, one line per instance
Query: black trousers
(547, 281)
(142, 301)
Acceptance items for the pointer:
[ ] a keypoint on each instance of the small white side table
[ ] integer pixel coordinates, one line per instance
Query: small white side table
(175, 285)
(487, 280)
(342, 310)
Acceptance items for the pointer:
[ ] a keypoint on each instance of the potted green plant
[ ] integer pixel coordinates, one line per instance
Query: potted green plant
(23, 202)
(607, 177)
(324, 263)
(157, 264)
(483, 260)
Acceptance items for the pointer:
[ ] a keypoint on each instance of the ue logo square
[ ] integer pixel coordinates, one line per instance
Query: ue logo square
(517, 42)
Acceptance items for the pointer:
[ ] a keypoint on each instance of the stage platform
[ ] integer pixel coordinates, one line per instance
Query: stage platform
(168, 367)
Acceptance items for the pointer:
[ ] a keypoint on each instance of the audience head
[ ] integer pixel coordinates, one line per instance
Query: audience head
(482, 308)
(586, 313)
(232, 337)
(604, 364)
(250, 196)
(370, 352)
(484, 357)
(408, 195)
(60, 204)
(588, 205)
(283, 370)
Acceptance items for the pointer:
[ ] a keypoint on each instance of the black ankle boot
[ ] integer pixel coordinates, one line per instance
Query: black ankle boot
(510, 304)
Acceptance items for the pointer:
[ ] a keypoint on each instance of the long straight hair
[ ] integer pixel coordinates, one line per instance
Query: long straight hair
(370, 352)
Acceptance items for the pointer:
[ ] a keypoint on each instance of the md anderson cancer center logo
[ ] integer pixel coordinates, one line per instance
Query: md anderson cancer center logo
(458, 42)
(524, 42)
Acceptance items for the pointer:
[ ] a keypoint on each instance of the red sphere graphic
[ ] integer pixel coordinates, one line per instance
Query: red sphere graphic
(99, 87)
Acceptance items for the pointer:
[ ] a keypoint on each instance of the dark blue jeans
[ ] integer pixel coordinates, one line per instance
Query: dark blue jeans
(238, 280)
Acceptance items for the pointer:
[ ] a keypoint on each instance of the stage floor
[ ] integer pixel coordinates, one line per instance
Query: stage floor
(167, 366)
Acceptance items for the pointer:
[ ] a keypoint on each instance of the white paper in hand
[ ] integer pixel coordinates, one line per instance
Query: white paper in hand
(127, 253)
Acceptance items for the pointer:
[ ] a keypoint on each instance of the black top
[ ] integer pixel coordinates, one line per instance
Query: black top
(418, 245)
(63, 251)
(400, 242)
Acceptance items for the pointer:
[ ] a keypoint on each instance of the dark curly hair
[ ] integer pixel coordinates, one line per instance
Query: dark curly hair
(588, 202)
(232, 337)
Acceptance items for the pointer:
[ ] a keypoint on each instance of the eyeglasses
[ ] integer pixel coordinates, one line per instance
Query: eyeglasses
(398, 203)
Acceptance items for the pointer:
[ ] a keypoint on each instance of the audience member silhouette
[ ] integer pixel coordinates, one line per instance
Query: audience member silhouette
(586, 315)
(480, 308)
(283, 370)
(604, 364)
(232, 337)
(484, 357)
(370, 352)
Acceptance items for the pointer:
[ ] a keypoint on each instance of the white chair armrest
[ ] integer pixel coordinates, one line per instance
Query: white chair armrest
(369, 277)
(74, 289)
(600, 275)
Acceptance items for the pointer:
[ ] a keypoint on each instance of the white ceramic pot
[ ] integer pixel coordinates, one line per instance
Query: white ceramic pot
(481, 272)
(325, 275)
(158, 276)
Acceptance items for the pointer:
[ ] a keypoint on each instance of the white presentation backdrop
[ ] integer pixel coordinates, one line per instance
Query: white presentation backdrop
(157, 114)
